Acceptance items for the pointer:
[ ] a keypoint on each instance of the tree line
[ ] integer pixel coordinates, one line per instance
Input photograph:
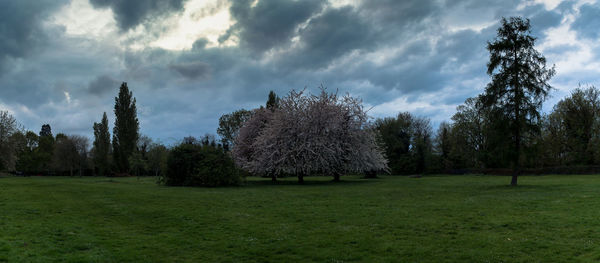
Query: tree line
(326, 134)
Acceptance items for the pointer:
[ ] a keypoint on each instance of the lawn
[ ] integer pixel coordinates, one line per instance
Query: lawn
(392, 219)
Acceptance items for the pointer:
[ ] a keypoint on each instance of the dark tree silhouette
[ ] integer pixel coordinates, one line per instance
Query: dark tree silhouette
(273, 100)
(126, 129)
(519, 81)
(101, 145)
(46, 130)
(230, 124)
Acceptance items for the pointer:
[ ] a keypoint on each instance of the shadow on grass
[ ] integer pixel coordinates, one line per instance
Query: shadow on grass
(524, 187)
(254, 182)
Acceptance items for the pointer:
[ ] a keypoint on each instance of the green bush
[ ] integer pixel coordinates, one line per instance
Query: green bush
(200, 165)
(215, 169)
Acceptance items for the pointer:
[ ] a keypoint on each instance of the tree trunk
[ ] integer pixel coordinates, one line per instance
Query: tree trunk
(300, 178)
(513, 181)
(273, 177)
(336, 177)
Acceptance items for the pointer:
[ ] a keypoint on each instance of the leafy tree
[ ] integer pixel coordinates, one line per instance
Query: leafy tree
(27, 158)
(468, 135)
(8, 152)
(272, 101)
(443, 145)
(422, 144)
(137, 164)
(125, 131)
(230, 124)
(45, 148)
(157, 159)
(573, 127)
(396, 134)
(407, 141)
(70, 154)
(46, 130)
(199, 165)
(102, 149)
(519, 81)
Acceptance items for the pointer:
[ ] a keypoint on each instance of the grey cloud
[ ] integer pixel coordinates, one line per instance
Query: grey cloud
(21, 27)
(130, 13)
(401, 13)
(192, 70)
(397, 48)
(328, 36)
(102, 85)
(588, 22)
(270, 23)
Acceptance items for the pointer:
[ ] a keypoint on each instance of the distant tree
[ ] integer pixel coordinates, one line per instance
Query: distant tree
(157, 159)
(81, 147)
(143, 144)
(272, 101)
(137, 164)
(575, 125)
(138, 161)
(67, 154)
(199, 165)
(230, 124)
(190, 140)
(46, 130)
(422, 144)
(101, 151)
(443, 145)
(8, 147)
(519, 81)
(468, 132)
(27, 156)
(45, 148)
(125, 131)
(408, 143)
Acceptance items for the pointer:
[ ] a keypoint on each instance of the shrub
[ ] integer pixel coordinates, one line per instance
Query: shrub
(200, 165)
(215, 169)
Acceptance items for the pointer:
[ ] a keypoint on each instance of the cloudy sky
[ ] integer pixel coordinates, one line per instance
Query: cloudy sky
(190, 61)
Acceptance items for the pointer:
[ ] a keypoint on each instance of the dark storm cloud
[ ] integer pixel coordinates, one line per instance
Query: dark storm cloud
(386, 51)
(192, 70)
(130, 13)
(587, 24)
(270, 22)
(102, 85)
(21, 31)
(403, 13)
(331, 35)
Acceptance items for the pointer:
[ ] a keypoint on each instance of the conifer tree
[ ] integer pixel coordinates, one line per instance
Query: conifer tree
(519, 81)
(126, 129)
(101, 146)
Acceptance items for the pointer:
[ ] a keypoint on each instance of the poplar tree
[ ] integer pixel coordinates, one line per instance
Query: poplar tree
(101, 145)
(126, 129)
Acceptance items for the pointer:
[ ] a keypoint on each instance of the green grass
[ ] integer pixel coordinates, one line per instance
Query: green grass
(393, 219)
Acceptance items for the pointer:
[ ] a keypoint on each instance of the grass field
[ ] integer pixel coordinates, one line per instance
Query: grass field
(392, 219)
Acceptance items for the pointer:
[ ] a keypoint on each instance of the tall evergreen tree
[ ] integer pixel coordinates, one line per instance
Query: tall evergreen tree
(519, 81)
(101, 145)
(126, 129)
(45, 148)
(273, 100)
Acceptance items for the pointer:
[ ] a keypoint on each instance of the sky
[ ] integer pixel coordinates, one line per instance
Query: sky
(188, 62)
